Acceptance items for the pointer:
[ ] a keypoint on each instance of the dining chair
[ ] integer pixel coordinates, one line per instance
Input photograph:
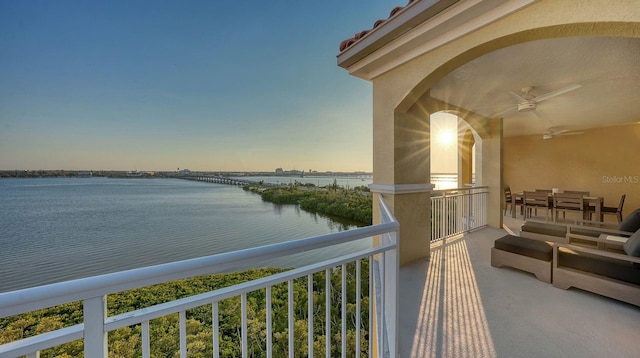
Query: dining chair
(508, 200)
(568, 202)
(610, 210)
(534, 200)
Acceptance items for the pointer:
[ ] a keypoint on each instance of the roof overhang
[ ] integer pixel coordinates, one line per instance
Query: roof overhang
(419, 28)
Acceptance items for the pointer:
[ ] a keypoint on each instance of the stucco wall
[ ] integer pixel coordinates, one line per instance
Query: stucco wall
(603, 161)
(402, 105)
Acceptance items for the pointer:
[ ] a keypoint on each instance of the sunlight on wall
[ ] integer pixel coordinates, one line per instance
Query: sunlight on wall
(452, 321)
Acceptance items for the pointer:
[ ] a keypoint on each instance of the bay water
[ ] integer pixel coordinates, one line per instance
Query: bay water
(58, 229)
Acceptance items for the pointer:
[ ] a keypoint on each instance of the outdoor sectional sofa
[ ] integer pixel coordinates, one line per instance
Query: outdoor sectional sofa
(583, 258)
(580, 234)
(608, 273)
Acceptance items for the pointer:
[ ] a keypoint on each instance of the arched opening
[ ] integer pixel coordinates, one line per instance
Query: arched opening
(444, 150)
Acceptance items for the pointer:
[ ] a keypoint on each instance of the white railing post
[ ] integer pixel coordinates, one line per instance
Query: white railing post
(95, 337)
(389, 272)
(392, 277)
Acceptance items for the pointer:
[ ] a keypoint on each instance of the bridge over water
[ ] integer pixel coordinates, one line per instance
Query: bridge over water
(225, 180)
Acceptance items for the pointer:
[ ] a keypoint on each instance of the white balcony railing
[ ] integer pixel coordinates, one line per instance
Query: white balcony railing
(455, 211)
(93, 291)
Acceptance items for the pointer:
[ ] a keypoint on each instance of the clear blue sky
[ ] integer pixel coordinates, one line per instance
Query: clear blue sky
(204, 85)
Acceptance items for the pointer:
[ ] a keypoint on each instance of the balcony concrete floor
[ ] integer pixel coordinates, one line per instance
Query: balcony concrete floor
(457, 305)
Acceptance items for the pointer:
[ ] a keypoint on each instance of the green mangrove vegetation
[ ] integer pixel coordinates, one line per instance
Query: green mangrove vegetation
(348, 203)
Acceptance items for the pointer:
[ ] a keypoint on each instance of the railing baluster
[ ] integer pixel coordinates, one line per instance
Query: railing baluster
(358, 308)
(183, 334)
(344, 311)
(327, 313)
(381, 322)
(146, 344)
(245, 345)
(291, 319)
(310, 315)
(371, 298)
(215, 319)
(269, 324)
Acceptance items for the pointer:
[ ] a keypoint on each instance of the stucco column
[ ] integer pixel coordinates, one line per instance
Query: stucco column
(402, 174)
(411, 205)
(491, 170)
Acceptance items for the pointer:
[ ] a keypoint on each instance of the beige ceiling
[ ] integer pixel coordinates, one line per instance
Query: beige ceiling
(606, 68)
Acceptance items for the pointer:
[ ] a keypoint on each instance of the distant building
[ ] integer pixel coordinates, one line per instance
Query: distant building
(279, 171)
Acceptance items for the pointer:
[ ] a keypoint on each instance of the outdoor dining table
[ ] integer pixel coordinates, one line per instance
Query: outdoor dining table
(596, 201)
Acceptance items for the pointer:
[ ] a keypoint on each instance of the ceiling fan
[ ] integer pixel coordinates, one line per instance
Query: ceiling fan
(557, 132)
(528, 102)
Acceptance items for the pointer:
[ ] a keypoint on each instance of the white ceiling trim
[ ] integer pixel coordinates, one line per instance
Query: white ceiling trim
(400, 50)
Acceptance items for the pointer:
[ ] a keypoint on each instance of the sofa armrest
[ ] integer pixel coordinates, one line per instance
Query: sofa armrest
(595, 224)
(609, 254)
(600, 230)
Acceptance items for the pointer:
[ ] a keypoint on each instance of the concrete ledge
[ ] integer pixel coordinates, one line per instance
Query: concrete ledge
(401, 188)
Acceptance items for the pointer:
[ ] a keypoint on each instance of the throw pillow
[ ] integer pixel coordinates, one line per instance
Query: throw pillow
(632, 246)
(631, 223)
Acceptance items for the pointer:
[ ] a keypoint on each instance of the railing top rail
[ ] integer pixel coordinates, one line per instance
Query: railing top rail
(459, 191)
(30, 299)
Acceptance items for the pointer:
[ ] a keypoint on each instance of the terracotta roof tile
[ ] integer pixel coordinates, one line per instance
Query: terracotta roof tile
(348, 42)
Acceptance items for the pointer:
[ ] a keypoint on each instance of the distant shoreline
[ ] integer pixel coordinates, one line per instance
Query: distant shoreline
(159, 174)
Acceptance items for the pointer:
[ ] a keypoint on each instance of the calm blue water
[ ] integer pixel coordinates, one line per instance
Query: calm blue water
(59, 229)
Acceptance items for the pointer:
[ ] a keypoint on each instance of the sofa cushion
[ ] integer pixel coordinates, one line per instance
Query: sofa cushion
(631, 223)
(585, 231)
(599, 265)
(527, 247)
(545, 229)
(632, 245)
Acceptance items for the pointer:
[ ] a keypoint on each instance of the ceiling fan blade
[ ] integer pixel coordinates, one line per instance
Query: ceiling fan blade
(517, 96)
(557, 92)
(497, 106)
(570, 133)
(497, 114)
